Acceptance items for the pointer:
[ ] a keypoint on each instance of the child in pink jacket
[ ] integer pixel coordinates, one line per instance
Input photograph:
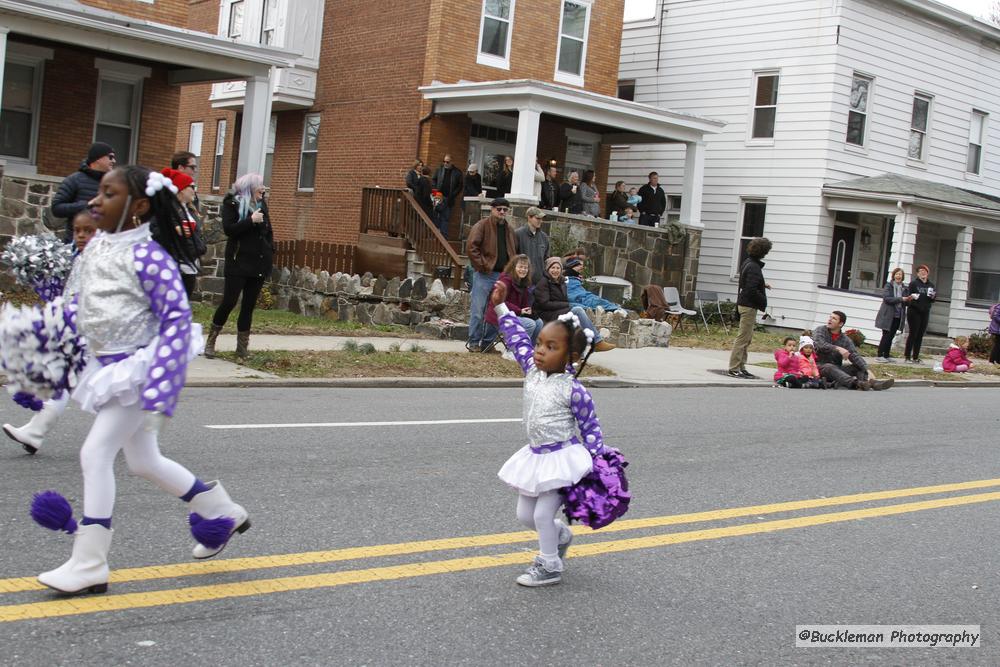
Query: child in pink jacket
(957, 360)
(808, 370)
(788, 363)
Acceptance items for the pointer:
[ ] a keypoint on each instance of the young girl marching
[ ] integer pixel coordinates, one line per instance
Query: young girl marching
(135, 317)
(31, 435)
(557, 466)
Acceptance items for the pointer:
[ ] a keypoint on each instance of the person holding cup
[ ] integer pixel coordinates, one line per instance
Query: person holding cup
(922, 293)
(248, 259)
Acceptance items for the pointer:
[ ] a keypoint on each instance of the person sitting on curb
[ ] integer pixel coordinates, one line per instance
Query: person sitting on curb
(833, 348)
(578, 294)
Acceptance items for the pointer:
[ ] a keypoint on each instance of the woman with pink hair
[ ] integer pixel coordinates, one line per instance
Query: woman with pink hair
(248, 259)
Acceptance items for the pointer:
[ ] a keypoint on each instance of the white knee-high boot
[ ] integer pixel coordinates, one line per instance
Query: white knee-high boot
(31, 435)
(211, 506)
(87, 569)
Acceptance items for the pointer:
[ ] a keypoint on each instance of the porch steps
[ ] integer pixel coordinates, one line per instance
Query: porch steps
(417, 267)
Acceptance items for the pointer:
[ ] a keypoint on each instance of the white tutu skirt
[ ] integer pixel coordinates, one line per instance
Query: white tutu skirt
(124, 380)
(533, 474)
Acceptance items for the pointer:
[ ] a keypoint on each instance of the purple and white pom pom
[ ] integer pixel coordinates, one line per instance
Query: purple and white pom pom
(212, 533)
(51, 510)
(602, 495)
(40, 352)
(41, 262)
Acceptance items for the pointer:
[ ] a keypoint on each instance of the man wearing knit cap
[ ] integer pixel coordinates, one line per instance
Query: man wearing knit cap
(81, 186)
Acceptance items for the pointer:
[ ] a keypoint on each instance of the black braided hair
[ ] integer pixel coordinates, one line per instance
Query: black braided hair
(576, 337)
(164, 214)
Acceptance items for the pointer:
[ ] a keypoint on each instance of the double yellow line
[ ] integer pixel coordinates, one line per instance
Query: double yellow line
(87, 605)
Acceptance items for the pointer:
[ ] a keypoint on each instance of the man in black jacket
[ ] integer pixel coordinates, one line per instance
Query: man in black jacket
(550, 190)
(654, 201)
(81, 186)
(447, 179)
(750, 298)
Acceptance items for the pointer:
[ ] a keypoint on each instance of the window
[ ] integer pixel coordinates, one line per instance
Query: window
(857, 115)
(195, 135)
(19, 116)
(977, 130)
(269, 23)
(984, 278)
(572, 51)
(765, 105)
(118, 116)
(236, 16)
(751, 226)
(919, 120)
(310, 147)
(494, 33)
(626, 90)
(272, 131)
(220, 148)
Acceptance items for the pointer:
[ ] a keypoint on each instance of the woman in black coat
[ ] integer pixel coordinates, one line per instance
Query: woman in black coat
(473, 183)
(248, 260)
(551, 299)
(422, 192)
(919, 313)
(505, 178)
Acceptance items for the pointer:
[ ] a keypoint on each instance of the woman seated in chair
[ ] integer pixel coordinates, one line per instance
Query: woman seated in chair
(578, 294)
(516, 276)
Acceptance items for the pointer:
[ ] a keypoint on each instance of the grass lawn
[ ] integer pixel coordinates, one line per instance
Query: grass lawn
(365, 363)
(289, 324)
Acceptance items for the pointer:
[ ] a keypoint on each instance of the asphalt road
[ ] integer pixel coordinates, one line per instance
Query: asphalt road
(660, 589)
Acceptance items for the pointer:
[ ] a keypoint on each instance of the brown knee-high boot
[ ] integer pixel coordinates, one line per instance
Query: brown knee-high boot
(242, 342)
(213, 333)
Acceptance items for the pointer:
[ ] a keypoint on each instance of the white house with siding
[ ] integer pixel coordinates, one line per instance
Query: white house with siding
(861, 135)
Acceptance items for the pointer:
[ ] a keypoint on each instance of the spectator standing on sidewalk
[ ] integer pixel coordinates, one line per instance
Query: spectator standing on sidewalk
(751, 297)
(919, 313)
(491, 245)
(892, 312)
(77, 189)
(994, 330)
(186, 162)
(533, 242)
(834, 348)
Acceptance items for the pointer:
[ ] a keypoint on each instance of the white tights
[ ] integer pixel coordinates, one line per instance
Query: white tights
(120, 427)
(540, 514)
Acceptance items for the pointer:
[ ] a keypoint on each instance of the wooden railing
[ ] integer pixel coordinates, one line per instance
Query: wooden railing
(318, 256)
(395, 212)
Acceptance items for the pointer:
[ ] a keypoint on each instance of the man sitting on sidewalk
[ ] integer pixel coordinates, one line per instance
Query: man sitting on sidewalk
(833, 348)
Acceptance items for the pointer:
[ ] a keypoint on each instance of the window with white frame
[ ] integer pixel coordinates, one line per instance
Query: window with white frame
(984, 276)
(195, 135)
(494, 33)
(272, 132)
(237, 17)
(269, 23)
(118, 116)
(310, 149)
(752, 213)
(857, 114)
(220, 149)
(919, 122)
(765, 105)
(22, 89)
(977, 132)
(639, 10)
(572, 51)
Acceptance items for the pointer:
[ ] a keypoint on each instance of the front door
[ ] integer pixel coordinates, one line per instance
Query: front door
(841, 257)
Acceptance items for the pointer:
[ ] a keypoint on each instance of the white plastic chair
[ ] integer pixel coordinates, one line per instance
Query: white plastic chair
(674, 307)
(702, 299)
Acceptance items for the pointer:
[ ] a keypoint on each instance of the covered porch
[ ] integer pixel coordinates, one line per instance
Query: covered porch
(889, 221)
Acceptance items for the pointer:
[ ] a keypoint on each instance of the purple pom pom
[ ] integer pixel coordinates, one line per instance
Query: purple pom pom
(602, 496)
(51, 510)
(26, 400)
(212, 533)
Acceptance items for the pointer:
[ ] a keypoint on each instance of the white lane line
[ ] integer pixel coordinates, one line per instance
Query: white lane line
(343, 424)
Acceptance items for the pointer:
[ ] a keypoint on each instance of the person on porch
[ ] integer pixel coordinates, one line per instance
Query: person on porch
(447, 179)
(834, 349)
(491, 245)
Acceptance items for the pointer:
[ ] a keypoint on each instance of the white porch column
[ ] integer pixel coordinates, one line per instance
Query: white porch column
(694, 182)
(904, 242)
(523, 181)
(3, 56)
(960, 276)
(256, 119)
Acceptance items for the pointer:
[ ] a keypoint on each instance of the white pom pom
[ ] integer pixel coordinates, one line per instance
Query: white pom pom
(40, 353)
(150, 191)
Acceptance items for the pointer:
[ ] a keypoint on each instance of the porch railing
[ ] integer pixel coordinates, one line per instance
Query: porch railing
(317, 255)
(395, 212)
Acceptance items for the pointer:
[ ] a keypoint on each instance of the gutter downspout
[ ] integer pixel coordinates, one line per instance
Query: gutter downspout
(420, 126)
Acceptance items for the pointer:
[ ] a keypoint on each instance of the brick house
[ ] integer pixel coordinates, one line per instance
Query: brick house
(78, 72)
(373, 89)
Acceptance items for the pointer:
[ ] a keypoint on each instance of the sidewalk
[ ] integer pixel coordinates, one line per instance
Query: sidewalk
(648, 366)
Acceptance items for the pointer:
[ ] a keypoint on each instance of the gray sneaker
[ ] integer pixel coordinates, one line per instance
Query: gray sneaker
(537, 575)
(565, 539)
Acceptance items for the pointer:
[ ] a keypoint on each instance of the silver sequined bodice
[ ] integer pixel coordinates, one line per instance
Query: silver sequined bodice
(113, 314)
(547, 415)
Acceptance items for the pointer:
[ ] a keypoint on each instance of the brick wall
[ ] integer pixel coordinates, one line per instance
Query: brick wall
(171, 12)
